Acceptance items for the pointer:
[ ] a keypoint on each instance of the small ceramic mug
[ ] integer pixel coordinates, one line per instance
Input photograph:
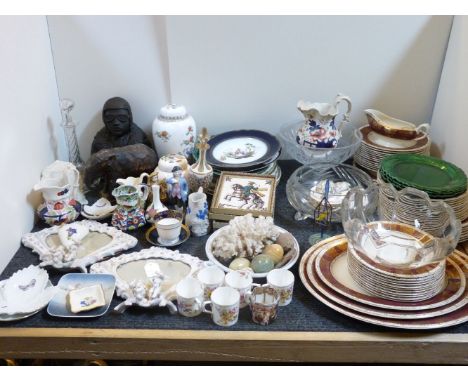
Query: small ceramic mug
(189, 297)
(211, 278)
(224, 306)
(282, 281)
(242, 281)
(263, 303)
(168, 230)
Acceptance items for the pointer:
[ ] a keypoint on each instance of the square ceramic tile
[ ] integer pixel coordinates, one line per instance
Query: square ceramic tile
(59, 307)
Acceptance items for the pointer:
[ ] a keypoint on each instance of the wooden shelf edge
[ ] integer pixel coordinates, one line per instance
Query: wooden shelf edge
(234, 346)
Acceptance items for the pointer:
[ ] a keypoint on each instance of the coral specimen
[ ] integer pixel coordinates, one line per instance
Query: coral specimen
(245, 236)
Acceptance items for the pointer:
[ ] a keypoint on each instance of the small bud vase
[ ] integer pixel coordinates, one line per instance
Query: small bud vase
(197, 213)
(200, 174)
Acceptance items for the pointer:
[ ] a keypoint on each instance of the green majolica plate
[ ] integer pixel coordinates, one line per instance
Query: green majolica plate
(436, 177)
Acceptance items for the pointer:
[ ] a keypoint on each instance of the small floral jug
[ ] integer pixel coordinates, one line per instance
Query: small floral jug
(197, 213)
(129, 215)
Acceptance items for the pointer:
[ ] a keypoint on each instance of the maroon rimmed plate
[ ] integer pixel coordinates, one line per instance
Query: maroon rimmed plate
(380, 312)
(456, 317)
(334, 252)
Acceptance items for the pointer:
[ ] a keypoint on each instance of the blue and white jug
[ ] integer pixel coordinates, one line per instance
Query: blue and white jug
(319, 129)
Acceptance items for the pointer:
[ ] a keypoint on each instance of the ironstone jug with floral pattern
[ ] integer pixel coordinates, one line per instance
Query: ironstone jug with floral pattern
(319, 128)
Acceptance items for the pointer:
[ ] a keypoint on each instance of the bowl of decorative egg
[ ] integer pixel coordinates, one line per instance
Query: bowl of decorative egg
(256, 243)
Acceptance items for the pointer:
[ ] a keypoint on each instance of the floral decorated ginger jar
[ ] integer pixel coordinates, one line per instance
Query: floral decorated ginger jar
(174, 131)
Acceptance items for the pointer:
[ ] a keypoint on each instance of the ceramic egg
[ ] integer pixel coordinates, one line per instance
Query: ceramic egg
(275, 251)
(262, 264)
(239, 263)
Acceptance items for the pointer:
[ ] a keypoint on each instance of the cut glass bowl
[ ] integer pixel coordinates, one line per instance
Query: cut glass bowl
(393, 234)
(347, 146)
(304, 188)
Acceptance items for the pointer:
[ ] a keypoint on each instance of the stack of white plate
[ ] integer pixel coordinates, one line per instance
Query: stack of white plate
(409, 209)
(374, 147)
(324, 272)
(410, 285)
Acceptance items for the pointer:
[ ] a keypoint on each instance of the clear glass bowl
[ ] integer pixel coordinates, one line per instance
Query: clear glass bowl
(304, 188)
(347, 146)
(396, 234)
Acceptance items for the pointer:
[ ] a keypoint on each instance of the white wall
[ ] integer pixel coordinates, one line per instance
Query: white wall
(99, 57)
(450, 123)
(249, 72)
(32, 136)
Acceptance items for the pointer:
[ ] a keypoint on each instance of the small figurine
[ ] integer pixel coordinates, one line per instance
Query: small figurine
(201, 173)
(177, 189)
(164, 171)
(322, 216)
(197, 213)
(119, 128)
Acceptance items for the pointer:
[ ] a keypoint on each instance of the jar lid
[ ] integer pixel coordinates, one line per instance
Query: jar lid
(168, 162)
(173, 112)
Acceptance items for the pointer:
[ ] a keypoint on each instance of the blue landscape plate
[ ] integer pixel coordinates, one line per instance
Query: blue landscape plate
(59, 307)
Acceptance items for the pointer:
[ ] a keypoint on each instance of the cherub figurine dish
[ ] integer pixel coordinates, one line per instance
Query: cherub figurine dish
(319, 129)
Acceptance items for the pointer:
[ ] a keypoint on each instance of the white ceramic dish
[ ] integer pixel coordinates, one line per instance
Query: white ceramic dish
(101, 209)
(295, 248)
(86, 298)
(60, 306)
(25, 293)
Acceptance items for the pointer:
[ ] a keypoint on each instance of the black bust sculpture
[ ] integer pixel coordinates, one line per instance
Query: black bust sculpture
(119, 128)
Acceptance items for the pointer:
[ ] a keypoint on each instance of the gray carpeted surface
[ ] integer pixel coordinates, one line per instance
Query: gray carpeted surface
(305, 313)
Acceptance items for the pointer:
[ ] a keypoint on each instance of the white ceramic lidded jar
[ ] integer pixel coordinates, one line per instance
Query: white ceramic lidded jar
(174, 131)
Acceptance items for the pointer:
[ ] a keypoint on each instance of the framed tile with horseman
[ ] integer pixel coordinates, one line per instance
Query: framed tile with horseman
(239, 193)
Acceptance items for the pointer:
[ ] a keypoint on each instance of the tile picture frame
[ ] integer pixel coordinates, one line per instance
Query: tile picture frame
(239, 193)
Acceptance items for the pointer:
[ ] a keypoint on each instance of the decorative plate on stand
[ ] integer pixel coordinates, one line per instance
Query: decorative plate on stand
(242, 150)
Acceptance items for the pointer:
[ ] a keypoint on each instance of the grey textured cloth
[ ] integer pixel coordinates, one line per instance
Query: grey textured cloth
(305, 313)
